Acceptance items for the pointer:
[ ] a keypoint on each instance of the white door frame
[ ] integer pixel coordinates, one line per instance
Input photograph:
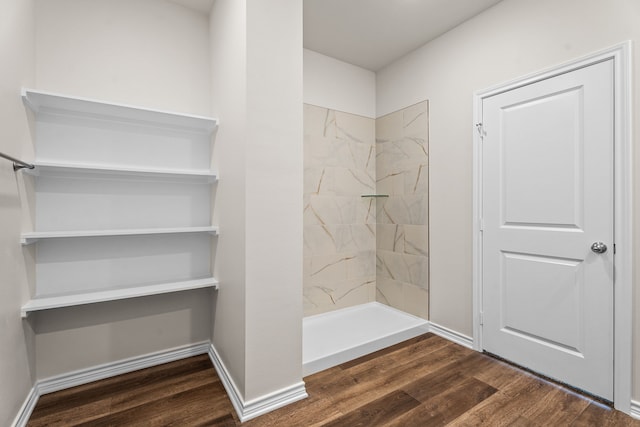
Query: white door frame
(623, 161)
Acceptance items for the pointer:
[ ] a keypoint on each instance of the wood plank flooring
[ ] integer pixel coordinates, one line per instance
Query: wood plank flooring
(426, 381)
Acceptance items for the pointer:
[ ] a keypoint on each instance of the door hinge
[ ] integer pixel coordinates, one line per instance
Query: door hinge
(481, 315)
(480, 130)
(481, 224)
(614, 248)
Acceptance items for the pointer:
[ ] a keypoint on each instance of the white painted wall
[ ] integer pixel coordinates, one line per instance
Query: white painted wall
(257, 95)
(151, 53)
(228, 26)
(334, 84)
(274, 196)
(17, 366)
(514, 38)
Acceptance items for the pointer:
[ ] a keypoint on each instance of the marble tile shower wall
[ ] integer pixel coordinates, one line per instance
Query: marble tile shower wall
(339, 225)
(402, 172)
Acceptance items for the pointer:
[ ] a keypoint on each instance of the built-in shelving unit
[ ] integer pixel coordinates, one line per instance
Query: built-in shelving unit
(120, 198)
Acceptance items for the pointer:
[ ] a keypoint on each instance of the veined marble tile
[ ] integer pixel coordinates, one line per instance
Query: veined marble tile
(340, 230)
(363, 264)
(390, 182)
(321, 151)
(357, 292)
(327, 210)
(356, 237)
(313, 179)
(340, 238)
(348, 253)
(332, 181)
(415, 300)
(337, 124)
(402, 172)
(407, 209)
(314, 119)
(319, 240)
(416, 239)
(390, 237)
(400, 154)
(389, 292)
(407, 147)
(416, 180)
(355, 128)
(403, 267)
(415, 119)
(418, 207)
(352, 182)
(382, 270)
(418, 270)
(320, 299)
(316, 299)
(389, 127)
(391, 265)
(327, 269)
(370, 209)
(403, 296)
(398, 182)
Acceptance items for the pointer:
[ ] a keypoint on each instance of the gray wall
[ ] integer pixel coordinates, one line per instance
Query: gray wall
(122, 51)
(256, 51)
(514, 38)
(17, 366)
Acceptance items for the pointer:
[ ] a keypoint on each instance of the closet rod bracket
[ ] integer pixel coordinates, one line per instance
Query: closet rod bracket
(17, 164)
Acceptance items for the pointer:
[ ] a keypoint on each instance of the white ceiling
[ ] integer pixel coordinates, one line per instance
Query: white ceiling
(374, 33)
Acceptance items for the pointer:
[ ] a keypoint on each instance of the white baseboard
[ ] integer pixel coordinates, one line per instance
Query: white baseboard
(275, 400)
(635, 409)
(27, 408)
(263, 404)
(232, 390)
(451, 335)
(108, 370)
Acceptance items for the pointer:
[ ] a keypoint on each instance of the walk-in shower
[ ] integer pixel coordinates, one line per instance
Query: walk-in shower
(365, 232)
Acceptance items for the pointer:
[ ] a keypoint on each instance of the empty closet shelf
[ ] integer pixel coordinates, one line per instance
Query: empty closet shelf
(81, 170)
(70, 106)
(73, 299)
(31, 237)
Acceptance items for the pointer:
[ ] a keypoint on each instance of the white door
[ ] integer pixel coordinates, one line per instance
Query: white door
(547, 162)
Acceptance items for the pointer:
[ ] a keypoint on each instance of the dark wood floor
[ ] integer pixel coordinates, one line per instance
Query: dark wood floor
(426, 381)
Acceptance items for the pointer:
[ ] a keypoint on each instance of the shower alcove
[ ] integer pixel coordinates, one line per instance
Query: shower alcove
(366, 261)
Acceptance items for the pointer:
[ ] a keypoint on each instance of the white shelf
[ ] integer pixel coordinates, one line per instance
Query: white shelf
(62, 169)
(39, 101)
(69, 300)
(32, 237)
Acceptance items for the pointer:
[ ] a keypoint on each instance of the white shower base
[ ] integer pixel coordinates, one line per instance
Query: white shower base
(330, 339)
